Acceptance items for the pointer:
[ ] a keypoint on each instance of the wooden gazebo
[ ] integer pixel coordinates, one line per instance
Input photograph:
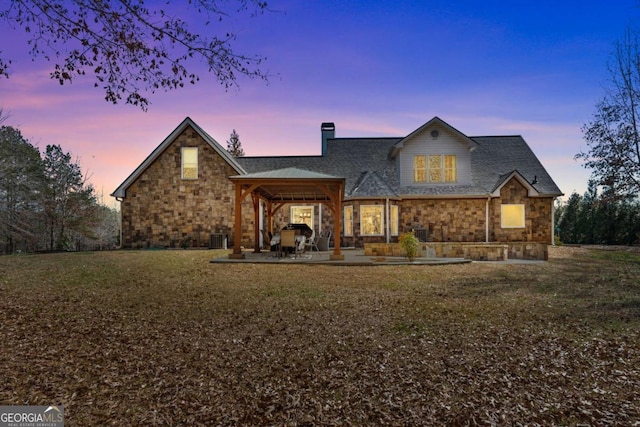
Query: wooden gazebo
(284, 186)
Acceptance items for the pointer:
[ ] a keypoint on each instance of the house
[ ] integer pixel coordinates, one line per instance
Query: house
(445, 185)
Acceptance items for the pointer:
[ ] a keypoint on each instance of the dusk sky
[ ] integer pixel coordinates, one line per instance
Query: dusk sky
(374, 68)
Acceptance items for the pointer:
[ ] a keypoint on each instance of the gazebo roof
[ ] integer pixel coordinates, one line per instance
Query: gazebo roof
(291, 184)
(286, 173)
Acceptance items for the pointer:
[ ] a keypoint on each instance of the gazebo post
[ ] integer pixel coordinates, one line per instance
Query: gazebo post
(269, 216)
(237, 226)
(256, 221)
(337, 256)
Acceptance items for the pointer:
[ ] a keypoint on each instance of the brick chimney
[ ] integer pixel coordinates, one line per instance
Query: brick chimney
(328, 131)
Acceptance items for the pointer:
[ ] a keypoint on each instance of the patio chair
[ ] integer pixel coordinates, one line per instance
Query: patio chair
(288, 240)
(312, 242)
(327, 233)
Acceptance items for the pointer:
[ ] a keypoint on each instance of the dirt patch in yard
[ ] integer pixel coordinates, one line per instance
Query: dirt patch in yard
(166, 338)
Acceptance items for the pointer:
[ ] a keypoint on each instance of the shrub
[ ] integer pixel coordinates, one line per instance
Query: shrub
(409, 243)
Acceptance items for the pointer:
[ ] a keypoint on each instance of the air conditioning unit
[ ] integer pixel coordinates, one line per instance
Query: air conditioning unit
(422, 234)
(218, 241)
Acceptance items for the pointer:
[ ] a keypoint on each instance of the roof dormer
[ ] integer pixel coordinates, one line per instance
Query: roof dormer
(435, 154)
(433, 130)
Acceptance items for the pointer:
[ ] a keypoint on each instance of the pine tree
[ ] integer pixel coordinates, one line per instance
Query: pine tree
(21, 180)
(67, 200)
(234, 146)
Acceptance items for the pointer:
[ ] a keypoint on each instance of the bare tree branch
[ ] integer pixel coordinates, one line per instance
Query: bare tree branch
(133, 50)
(613, 134)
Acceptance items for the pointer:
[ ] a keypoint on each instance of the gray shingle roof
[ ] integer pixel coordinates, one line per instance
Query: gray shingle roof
(500, 155)
(371, 183)
(370, 172)
(346, 157)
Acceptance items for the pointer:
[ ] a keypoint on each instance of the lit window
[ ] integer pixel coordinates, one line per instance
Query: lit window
(450, 168)
(372, 220)
(302, 215)
(348, 220)
(420, 168)
(512, 216)
(435, 168)
(393, 220)
(189, 163)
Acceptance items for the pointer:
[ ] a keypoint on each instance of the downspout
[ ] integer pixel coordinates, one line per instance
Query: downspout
(120, 199)
(553, 222)
(386, 208)
(486, 221)
(319, 219)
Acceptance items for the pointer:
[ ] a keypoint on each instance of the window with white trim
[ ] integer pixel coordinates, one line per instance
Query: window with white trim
(372, 220)
(189, 162)
(420, 168)
(302, 215)
(512, 216)
(394, 220)
(348, 220)
(450, 168)
(435, 168)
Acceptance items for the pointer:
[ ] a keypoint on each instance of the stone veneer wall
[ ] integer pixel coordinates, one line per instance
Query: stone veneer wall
(160, 209)
(528, 250)
(447, 220)
(473, 251)
(537, 216)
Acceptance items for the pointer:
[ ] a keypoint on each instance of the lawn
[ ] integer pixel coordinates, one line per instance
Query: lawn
(166, 338)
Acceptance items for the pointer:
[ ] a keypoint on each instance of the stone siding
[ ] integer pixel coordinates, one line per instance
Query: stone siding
(537, 216)
(160, 209)
(446, 220)
(528, 250)
(472, 251)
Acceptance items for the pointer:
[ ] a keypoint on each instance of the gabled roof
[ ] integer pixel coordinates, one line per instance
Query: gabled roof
(504, 179)
(371, 185)
(121, 190)
(499, 156)
(471, 144)
(345, 157)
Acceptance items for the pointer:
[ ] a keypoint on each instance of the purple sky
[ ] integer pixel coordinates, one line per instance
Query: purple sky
(374, 68)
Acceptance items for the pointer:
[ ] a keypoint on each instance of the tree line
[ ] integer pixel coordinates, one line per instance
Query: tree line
(598, 218)
(609, 211)
(46, 203)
